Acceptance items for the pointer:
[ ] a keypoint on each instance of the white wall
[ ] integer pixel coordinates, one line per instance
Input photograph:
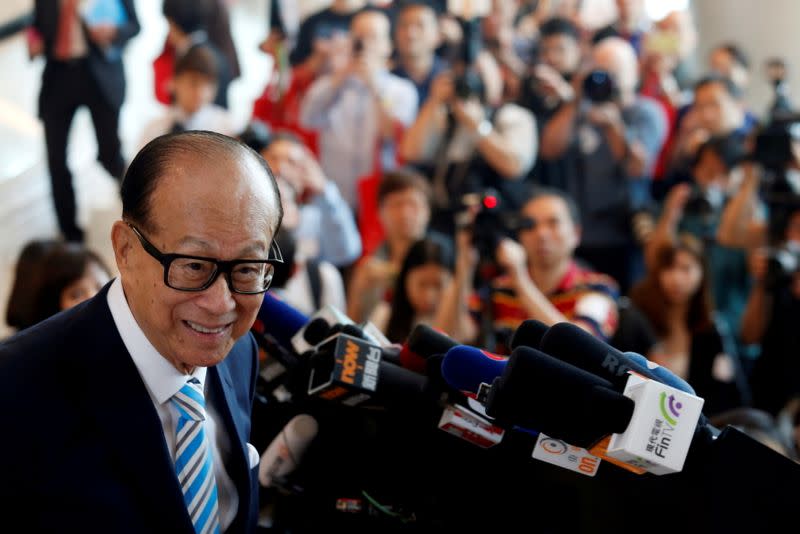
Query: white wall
(764, 28)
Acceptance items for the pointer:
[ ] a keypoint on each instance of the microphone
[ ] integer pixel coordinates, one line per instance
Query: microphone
(316, 331)
(466, 368)
(351, 370)
(578, 347)
(283, 455)
(279, 321)
(422, 343)
(529, 334)
(559, 399)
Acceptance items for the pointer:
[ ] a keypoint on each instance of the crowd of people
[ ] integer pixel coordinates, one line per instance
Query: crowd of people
(474, 173)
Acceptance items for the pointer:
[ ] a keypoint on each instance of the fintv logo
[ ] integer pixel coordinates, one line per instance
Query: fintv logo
(670, 409)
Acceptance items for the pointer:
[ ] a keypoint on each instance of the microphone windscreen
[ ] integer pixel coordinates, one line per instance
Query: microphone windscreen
(287, 449)
(578, 347)
(398, 383)
(529, 334)
(466, 368)
(539, 392)
(316, 331)
(411, 360)
(280, 320)
(425, 341)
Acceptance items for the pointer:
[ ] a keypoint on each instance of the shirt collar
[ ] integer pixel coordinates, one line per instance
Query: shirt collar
(162, 379)
(568, 280)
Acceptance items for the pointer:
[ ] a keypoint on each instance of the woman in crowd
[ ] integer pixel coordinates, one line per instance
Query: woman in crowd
(676, 298)
(70, 274)
(426, 272)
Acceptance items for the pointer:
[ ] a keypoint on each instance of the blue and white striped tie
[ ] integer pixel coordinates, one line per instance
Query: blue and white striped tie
(193, 459)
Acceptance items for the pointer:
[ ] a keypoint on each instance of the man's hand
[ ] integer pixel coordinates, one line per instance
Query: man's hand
(605, 115)
(272, 43)
(442, 90)
(676, 200)
(511, 256)
(363, 69)
(102, 34)
(469, 113)
(552, 84)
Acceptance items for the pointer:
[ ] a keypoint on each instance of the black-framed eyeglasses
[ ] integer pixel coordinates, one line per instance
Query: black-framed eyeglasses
(198, 273)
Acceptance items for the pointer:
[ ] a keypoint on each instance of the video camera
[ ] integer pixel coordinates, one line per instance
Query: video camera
(492, 223)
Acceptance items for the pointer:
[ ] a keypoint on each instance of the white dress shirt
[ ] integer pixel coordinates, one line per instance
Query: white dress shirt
(163, 381)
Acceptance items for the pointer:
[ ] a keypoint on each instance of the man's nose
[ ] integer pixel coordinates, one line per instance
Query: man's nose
(218, 298)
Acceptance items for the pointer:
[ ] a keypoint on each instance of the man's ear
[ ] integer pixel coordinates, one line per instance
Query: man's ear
(122, 242)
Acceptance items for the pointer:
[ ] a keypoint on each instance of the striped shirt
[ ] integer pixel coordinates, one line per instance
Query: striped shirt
(584, 297)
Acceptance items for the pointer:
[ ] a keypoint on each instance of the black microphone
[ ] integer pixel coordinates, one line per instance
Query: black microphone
(351, 370)
(554, 397)
(529, 334)
(316, 331)
(578, 347)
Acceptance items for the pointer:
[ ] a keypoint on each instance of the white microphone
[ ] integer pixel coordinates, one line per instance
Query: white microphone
(287, 449)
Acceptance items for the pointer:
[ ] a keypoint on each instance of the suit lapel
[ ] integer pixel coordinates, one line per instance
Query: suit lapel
(130, 424)
(224, 396)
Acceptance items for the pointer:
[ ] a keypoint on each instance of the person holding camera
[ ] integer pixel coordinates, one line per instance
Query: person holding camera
(539, 278)
(466, 145)
(548, 85)
(696, 208)
(772, 314)
(607, 140)
(360, 108)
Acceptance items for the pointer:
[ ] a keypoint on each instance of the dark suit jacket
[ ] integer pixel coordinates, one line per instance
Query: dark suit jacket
(82, 447)
(105, 65)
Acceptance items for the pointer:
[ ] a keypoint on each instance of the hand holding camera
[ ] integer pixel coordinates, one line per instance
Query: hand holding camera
(551, 84)
(511, 256)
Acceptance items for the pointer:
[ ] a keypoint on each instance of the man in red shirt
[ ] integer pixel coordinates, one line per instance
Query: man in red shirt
(540, 278)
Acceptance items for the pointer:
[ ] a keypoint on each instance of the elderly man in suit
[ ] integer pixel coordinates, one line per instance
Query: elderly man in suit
(131, 411)
(83, 47)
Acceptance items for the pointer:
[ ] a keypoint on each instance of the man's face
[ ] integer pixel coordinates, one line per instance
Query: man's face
(371, 29)
(193, 90)
(285, 159)
(214, 206)
(710, 170)
(561, 52)
(85, 287)
(619, 60)
(722, 62)
(717, 110)
(417, 33)
(405, 214)
(552, 236)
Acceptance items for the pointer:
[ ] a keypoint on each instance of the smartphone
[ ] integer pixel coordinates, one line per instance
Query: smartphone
(661, 42)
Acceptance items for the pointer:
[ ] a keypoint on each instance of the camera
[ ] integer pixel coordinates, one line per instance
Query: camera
(599, 87)
(492, 223)
(773, 144)
(468, 85)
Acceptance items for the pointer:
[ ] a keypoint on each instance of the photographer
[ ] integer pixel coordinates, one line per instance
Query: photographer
(696, 208)
(772, 314)
(360, 108)
(467, 145)
(606, 142)
(548, 85)
(541, 279)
